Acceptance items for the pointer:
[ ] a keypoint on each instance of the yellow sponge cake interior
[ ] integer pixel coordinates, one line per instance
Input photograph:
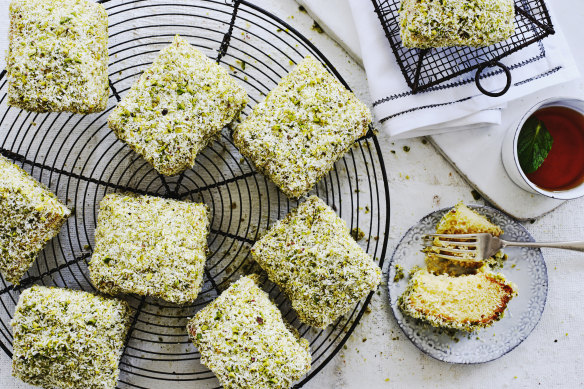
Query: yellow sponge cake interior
(463, 220)
(468, 302)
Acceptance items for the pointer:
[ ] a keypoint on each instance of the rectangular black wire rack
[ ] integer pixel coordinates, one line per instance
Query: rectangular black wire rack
(424, 68)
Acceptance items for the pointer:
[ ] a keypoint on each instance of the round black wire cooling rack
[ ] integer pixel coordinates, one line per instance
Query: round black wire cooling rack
(81, 160)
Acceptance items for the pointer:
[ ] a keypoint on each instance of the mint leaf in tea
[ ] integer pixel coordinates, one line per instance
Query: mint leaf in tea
(533, 145)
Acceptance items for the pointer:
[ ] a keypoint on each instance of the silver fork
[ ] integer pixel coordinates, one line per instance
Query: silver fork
(476, 247)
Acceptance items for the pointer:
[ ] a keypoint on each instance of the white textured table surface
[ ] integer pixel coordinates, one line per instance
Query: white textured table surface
(378, 355)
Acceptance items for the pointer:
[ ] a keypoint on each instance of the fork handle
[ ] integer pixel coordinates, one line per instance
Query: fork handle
(576, 246)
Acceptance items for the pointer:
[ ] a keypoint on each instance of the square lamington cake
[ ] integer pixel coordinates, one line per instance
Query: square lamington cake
(150, 246)
(177, 106)
(30, 216)
(57, 56)
(244, 340)
(312, 257)
(68, 339)
(444, 23)
(302, 127)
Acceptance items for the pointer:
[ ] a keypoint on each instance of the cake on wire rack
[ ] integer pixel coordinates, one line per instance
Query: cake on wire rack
(85, 162)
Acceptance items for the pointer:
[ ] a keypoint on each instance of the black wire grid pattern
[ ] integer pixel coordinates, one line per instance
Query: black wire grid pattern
(81, 160)
(425, 68)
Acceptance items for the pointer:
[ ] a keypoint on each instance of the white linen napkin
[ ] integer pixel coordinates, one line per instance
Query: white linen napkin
(457, 104)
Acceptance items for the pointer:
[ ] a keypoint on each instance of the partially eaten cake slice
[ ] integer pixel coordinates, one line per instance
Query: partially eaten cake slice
(468, 302)
(461, 220)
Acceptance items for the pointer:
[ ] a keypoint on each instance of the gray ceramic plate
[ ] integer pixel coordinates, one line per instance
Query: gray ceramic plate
(525, 267)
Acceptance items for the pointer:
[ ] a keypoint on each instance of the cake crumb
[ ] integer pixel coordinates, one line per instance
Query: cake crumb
(399, 273)
(357, 234)
(316, 27)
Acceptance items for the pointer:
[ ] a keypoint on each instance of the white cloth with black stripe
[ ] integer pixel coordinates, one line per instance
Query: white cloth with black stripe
(457, 104)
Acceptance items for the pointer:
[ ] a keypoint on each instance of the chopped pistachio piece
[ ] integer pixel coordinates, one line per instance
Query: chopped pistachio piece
(311, 255)
(244, 340)
(177, 106)
(150, 246)
(302, 127)
(432, 23)
(30, 216)
(68, 338)
(57, 56)
(399, 273)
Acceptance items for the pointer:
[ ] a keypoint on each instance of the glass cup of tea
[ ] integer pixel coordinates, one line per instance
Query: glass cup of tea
(552, 131)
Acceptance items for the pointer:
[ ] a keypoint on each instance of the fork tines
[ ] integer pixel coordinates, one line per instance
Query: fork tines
(468, 241)
(447, 238)
(452, 236)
